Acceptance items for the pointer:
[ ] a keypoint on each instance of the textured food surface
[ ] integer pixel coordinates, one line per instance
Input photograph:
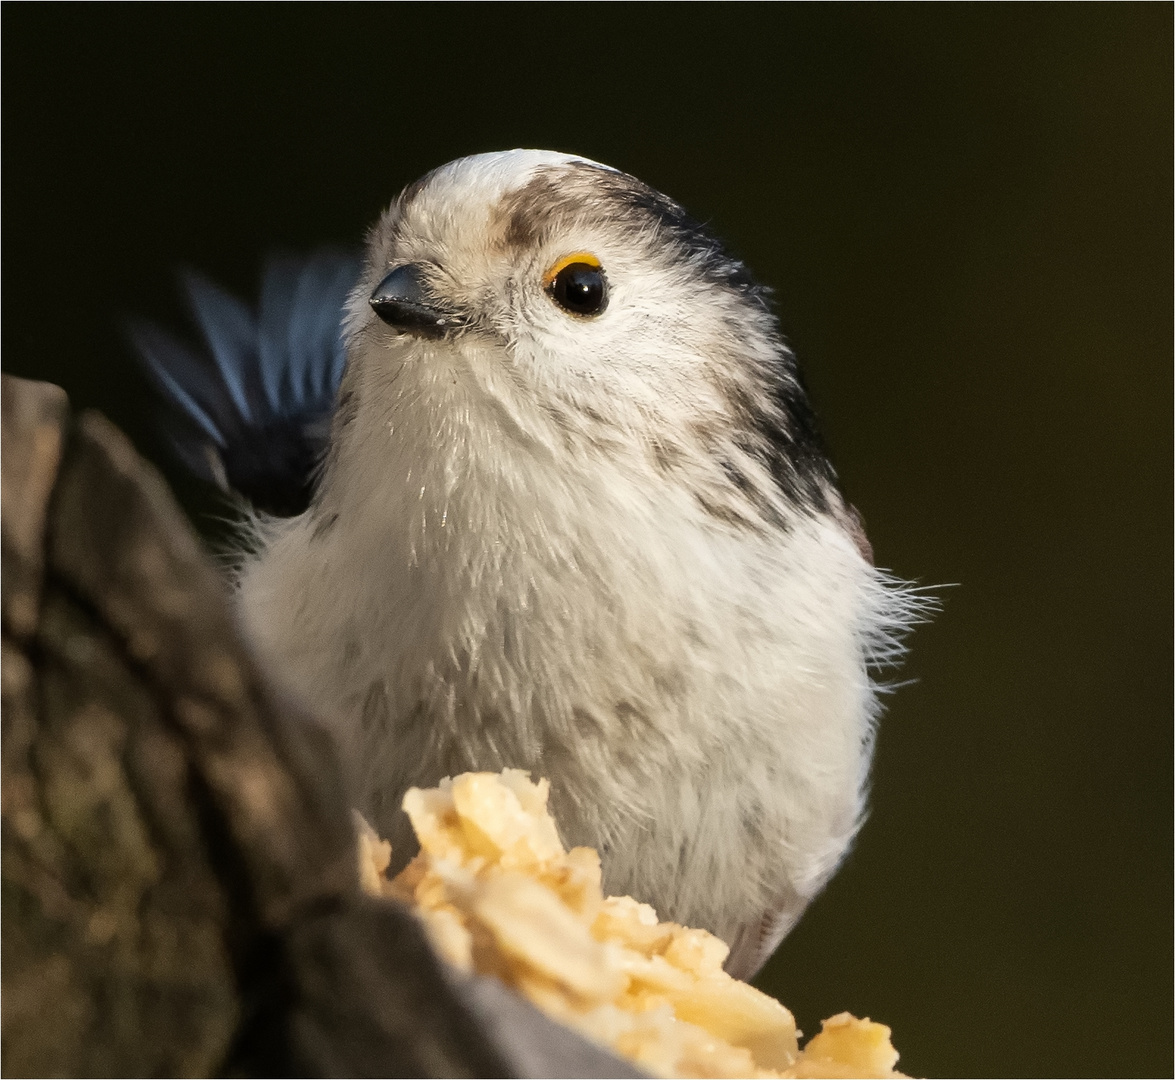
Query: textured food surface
(500, 896)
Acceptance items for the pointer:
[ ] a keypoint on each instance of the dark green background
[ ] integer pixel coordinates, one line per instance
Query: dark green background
(966, 214)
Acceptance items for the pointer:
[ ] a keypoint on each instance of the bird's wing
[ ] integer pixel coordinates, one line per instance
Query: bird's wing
(754, 942)
(252, 404)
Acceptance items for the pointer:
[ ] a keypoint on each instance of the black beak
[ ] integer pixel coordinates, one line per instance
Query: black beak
(402, 301)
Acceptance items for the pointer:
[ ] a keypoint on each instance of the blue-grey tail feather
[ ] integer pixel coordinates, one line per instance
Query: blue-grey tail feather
(251, 405)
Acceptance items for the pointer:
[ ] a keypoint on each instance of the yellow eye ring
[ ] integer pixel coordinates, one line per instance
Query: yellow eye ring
(577, 284)
(583, 257)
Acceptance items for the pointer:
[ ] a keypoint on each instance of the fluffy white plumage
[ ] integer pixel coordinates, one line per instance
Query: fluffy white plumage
(586, 547)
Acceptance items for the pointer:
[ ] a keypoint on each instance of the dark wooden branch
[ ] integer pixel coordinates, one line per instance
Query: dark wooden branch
(179, 880)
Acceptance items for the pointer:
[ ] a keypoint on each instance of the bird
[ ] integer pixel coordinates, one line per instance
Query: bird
(534, 482)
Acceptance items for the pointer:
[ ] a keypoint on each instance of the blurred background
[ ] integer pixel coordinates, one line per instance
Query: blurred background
(966, 215)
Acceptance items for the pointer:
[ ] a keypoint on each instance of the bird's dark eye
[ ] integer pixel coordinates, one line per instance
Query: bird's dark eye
(576, 283)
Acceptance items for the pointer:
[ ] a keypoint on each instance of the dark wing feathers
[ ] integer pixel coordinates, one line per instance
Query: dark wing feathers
(231, 334)
(180, 375)
(313, 330)
(252, 405)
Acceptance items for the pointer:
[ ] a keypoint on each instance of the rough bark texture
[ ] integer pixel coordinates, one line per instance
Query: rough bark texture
(179, 881)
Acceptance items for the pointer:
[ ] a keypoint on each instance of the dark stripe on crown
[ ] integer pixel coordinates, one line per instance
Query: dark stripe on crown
(560, 195)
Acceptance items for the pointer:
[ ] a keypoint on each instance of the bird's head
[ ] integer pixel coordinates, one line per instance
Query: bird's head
(568, 307)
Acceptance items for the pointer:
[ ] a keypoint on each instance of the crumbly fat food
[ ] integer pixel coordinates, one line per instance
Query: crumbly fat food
(500, 896)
